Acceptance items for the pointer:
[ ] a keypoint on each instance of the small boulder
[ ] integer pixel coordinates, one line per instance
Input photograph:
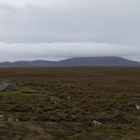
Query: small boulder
(7, 87)
(96, 123)
(2, 117)
(17, 120)
(137, 107)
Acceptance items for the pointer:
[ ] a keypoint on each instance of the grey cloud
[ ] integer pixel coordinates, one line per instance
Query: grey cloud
(63, 50)
(103, 21)
(25, 26)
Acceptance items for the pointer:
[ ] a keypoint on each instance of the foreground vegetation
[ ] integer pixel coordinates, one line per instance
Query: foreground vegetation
(62, 103)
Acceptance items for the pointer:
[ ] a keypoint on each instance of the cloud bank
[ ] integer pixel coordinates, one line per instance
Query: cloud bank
(56, 51)
(69, 28)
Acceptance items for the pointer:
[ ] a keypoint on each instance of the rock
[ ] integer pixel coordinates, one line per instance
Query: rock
(55, 100)
(17, 120)
(11, 119)
(2, 117)
(137, 107)
(69, 97)
(97, 123)
(7, 87)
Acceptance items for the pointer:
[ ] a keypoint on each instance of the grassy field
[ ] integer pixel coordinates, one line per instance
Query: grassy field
(62, 103)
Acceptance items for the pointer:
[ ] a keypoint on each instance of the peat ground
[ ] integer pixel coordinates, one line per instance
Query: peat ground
(62, 103)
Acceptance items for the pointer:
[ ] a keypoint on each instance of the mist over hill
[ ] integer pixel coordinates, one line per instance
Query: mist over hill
(79, 61)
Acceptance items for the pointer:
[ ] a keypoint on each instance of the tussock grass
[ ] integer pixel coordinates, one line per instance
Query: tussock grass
(62, 103)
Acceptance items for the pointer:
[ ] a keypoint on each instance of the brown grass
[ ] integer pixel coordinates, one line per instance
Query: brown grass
(61, 103)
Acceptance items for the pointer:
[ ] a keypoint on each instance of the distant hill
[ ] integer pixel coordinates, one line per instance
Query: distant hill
(79, 61)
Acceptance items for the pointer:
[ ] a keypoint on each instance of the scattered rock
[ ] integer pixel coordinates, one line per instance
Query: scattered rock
(2, 117)
(97, 123)
(69, 97)
(137, 107)
(55, 100)
(17, 120)
(7, 87)
(10, 119)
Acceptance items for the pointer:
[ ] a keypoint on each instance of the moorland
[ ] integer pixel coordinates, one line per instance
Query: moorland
(64, 103)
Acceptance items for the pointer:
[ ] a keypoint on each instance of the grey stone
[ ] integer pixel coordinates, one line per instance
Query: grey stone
(69, 97)
(137, 107)
(7, 87)
(2, 117)
(97, 123)
(17, 120)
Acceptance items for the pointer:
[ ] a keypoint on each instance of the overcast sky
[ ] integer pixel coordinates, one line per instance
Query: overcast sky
(58, 29)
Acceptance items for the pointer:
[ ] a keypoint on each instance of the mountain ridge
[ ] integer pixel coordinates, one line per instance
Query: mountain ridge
(77, 61)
